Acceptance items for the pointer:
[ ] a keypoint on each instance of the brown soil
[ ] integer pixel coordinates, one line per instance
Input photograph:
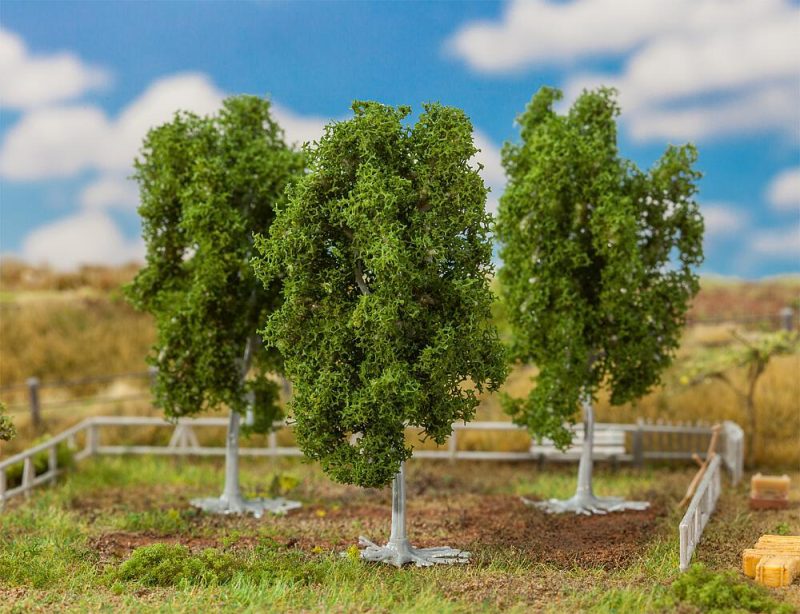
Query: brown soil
(482, 524)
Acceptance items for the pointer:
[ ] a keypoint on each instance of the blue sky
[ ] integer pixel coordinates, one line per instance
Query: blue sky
(80, 83)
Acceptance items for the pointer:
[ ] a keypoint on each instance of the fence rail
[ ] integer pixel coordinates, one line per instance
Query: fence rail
(700, 509)
(184, 442)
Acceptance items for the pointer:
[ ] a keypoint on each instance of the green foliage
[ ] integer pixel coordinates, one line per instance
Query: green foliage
(207, 185)
(7, 430)
(171, 564)
(384, 252)
(598, 258)
(174, 564)
(724, 592)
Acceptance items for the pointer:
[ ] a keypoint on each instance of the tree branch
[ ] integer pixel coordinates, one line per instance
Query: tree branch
(362, 285)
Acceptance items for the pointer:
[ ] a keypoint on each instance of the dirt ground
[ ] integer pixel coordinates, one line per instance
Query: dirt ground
(444, 508)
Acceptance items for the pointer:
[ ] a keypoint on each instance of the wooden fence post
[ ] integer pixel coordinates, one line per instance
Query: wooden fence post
(33, 395)
(787, 319)
(638, 445)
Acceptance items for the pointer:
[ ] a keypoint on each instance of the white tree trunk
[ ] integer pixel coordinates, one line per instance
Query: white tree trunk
(399, 551)
(584, 501)
(231, 500)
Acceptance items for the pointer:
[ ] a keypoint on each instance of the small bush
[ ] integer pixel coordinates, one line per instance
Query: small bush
(171, 564)
(724, 592)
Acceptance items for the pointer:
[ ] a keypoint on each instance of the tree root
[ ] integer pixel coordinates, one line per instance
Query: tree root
(587, 505)
(239, 505)
(399, 553)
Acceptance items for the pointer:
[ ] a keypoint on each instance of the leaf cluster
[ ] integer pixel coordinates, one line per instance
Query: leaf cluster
(207, 184)
(384, 252)
(723, 592)
(7, 430)
(598, 256)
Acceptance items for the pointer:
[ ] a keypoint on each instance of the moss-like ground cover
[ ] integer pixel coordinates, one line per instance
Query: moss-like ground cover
(117, 534)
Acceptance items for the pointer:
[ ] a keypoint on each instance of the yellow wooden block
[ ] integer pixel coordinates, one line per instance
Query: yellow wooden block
(784, 542)
(769, 486)
(752, 557)
(776, 571)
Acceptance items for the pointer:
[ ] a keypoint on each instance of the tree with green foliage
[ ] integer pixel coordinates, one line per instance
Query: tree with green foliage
(207, 185)
(599, 264)
(385, 257)
(7, 430)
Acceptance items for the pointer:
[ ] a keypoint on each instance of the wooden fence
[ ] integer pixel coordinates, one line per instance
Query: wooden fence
(649, 442)
(700, 509)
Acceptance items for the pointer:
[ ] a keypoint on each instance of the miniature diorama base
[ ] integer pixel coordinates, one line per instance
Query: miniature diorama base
(240, 505)
(588, 504)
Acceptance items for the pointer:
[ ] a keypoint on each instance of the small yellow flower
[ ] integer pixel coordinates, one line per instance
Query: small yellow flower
(353, 553)
(317, 550)
(684, 380)
(321, 513)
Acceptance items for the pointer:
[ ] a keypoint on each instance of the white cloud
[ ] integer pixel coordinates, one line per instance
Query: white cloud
(722, 220)
(59, 142)
(28, 81)
(779, 244)
(783, 192)
(299, 129)
(492, 173)
(739, 56)
(489, 156)
(772, 109)
(88, 237)
(110, 191)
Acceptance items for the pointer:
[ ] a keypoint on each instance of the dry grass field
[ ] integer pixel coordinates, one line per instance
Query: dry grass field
(60, 326)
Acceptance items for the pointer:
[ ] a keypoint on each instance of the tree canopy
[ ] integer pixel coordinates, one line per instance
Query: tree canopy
(598, 256)
(384, 252)
(207, 184)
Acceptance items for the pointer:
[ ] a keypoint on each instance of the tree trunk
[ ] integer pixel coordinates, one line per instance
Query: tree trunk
(584, 501)
(398, 551)
(586, 464)
(231, 500)
(398, 535)
(231, 492)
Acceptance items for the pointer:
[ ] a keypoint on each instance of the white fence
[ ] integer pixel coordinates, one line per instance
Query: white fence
(700, 509)
(647, 442)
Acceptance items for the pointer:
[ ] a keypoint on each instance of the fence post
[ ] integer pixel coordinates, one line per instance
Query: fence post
(92, 440)
(787, 319)
(28, 474)
(452, 445)
(33, 395)
(638, 445)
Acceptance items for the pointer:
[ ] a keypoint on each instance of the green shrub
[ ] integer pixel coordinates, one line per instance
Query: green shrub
(724, 592)
(171, 564)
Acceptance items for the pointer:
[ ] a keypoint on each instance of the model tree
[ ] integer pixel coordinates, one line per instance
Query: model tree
(207, 185)
(598, 269)
(385, 255)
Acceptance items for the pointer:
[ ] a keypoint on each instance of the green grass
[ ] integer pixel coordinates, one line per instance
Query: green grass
(57, 550)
